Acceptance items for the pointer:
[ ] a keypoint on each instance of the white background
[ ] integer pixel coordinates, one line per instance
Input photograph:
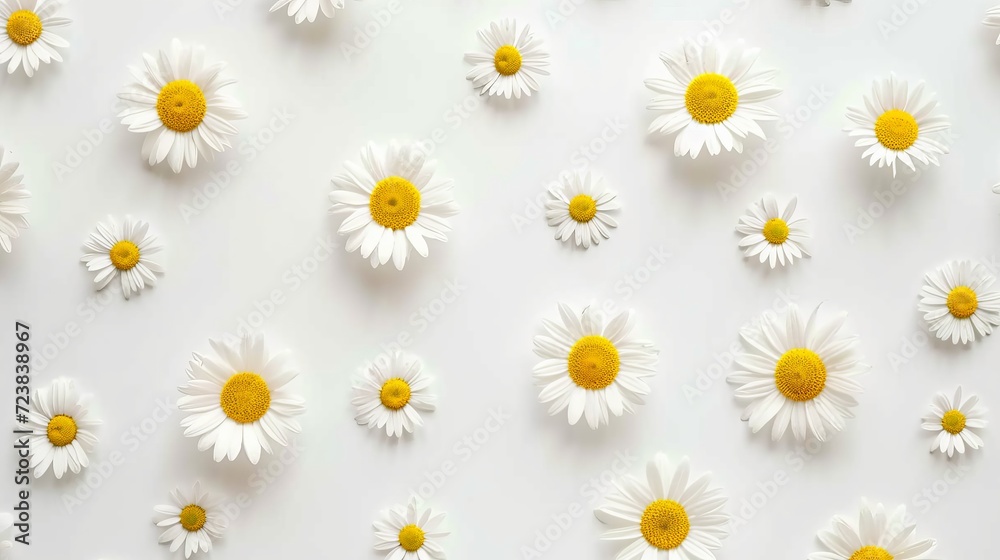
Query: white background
(271, 217)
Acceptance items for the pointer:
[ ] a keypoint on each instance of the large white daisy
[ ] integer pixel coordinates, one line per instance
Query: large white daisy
(896, 123)
(177, 102)
(956, 301)
(193, 520)
(772, 233)
(29, 39)
(992, 19)
(670, 516)
(409, 533)
(391, 394)
(875, 536)
(713, 96)
(12, 192)
(240, 400)
(115, 250)
(591, 367)
(62, 429)
(581, 209)
(955, 420)
(511, 63)
(800, 373)
(307, 10)
(393, 203)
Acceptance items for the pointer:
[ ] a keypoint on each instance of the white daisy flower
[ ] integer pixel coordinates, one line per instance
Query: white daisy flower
(992, 19)
(591, 367)
(193, 519)
(954, 421)
(895, 123)
(581, 209)
(956, 301)
(12, 191)
(409, 533)
(124, 250)
(772, 233)
(669, 516)
(875, 536)
(713, 96)
(802, 374)
(391, 394)
(393, 203)
(29, 39)
(240, 400)
(307, 10)
(176, 101)
(512, 62)
(62, 429)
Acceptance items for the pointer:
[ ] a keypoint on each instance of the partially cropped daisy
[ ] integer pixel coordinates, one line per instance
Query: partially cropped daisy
(12, 193)
(511, 63)
(592, 367)
(409, 533)
(62, 429)
(392, 394)
(29, 39)
(876, 535)
(956, 301)
(799, 372)
(307, 10)
(581, 209)
(896, 124)
(393, 204)
(193, 520)
(240, 399)
(773, 232)
(177, 102)
(672, 515)
(993, 19)
(713, 96)
(955, 420)
(123, 251)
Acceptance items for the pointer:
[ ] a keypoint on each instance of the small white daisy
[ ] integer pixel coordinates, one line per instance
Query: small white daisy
(390, 395)
(713, 96)
(581, 209)
(772, 232)
(591, 367)
(875, 536)
(956, 301)
(193, 519)
(29, 39)
(124, 250)
(992, 19)
(512, 62)
(307, 10)
(62, 429)
(895, 124)
(801, 374)
(671, 515)
(954, 421)
(177, 102)
(409, 533)
(240, 400)
(12, 192)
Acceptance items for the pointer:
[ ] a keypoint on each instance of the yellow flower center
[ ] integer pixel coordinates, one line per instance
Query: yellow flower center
(593, 362)
(953, 421)
(395, 393)
(711, 98)
(776, 231)
(871, 553)
(394, 203)
(61, 430)
(24, 27)
(800, 374)
(962, 302)
(665, 524)
(193, 518)
(245, 397)
(507, 60)
(582, 208)
(896, 129)
(124, 255)
(411, 538)
(181, 106)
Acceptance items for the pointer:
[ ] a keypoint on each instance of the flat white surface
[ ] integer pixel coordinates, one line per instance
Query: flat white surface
(404, 84)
